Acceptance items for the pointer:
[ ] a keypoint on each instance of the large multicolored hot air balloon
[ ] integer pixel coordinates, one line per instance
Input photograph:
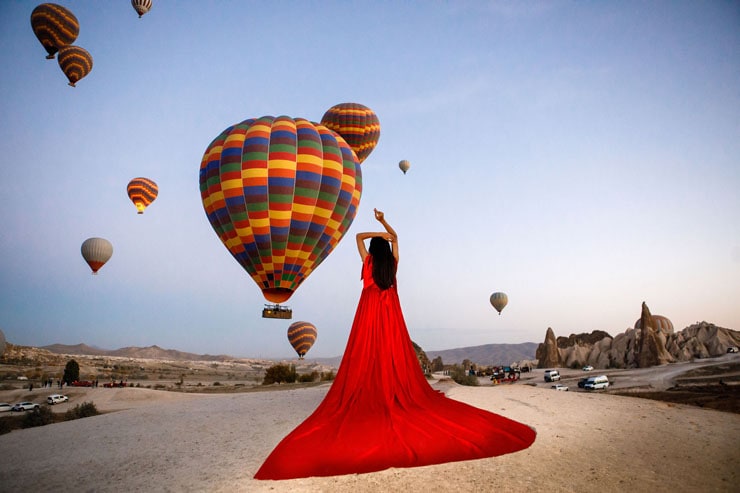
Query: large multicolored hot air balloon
(357, 124)
(75, 62)
(141, 6)
(96, 252)
(302, 335)
(499, 301)
(54, 26)
(142, 192)
(404, 165)
(280, 194)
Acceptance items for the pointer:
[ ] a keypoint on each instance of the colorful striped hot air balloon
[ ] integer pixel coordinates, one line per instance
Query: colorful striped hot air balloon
(96, 252)
(75, 62)
(142, 192)
(54, 26)
(280, 194)
(499, 301)
(358, 124)
(141, 6)
(302, 335)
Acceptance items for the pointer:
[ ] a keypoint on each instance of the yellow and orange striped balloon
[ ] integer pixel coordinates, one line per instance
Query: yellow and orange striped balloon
(357, 124)
(75, 62)
(142, 192)
(302, 335)
(54, 26)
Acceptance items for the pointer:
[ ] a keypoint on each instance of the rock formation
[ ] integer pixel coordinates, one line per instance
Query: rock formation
(637, 347)
(547, 353)
(652, 349)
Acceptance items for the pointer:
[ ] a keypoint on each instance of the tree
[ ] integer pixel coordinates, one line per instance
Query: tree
(71, 372)
(437, 364)
(280, 374)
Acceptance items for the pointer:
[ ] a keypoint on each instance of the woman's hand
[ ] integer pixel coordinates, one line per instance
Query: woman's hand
(379, 215)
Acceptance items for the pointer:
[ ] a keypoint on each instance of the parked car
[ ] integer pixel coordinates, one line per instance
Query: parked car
(552, 375)
(560, 386)
(5, 407)
(56, 399)
(733, 349)
(595, 383)
(588, 368)
(25, 406)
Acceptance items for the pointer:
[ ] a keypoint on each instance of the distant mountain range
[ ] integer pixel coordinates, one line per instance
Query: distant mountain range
(488, 354)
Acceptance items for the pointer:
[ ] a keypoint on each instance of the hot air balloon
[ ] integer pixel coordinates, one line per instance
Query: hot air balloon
(302, 335)
(499, 301)
(404, 165)
(141, 6)
(54, 26)
(96, 252)
(280, 194)
(75, 62)
(357, 124)
(142, 192)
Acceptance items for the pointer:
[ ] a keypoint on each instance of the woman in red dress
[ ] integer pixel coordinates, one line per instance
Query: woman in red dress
(380, 411)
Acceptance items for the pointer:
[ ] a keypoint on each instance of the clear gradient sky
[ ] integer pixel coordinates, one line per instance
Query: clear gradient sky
(582, 157)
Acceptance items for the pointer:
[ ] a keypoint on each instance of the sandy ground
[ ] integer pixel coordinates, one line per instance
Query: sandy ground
(166, 441)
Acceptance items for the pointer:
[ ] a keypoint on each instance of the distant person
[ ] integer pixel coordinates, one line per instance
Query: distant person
(381, 412)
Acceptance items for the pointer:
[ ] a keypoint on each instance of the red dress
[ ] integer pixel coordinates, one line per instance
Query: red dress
(380, 411)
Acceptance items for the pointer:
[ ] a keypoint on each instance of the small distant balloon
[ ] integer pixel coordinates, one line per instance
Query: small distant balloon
(357, 124)
(301, 336)
(54, 26)
(404, 165)
(75, 62)
(141, 6)
(142, 192)
(499, 301)
(96, 252)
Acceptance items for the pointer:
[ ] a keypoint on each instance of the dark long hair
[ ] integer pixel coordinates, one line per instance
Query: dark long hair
(384, 264)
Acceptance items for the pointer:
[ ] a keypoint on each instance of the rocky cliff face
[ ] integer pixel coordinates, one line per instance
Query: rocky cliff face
(548, 354)
(652, 349)
(625, 350)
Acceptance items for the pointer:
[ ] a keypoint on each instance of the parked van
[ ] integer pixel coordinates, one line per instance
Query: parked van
(595, 383)
(552, 375)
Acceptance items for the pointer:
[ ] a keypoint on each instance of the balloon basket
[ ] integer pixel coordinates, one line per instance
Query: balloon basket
(277, 311)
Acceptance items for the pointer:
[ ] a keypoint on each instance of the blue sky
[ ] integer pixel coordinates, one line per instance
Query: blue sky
(582, 157)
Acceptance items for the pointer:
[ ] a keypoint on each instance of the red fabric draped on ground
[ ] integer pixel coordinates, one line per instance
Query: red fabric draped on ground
(380, 411)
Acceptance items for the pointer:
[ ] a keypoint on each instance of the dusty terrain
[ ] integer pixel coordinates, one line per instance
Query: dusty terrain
(176, 441)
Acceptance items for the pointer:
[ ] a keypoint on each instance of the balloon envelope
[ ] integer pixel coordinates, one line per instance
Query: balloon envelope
(96, 252)
(499, 301)
(75, 62)
(357, 124)
(280, 193)
(54, 26)
(142, 192)
(404, 165)
(302, 335)
(141, 6)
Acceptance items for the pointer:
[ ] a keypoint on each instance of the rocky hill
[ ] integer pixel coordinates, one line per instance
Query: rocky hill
(487, 354)
(150, 352)
(648, 344)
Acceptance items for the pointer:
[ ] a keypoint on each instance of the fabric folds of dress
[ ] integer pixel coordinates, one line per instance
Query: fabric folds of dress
(380, 411)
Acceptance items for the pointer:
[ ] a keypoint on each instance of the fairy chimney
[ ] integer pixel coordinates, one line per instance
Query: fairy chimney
(548, 354)
(652, 346)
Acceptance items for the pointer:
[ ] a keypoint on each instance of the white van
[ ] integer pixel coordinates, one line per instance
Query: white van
(595, 383)
(552, 375)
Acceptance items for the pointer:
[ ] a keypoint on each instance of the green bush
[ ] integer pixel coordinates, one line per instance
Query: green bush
(38, 417)
(327, 376)
(461, 376)
(280, 374)
(309, 377)
(83, 410)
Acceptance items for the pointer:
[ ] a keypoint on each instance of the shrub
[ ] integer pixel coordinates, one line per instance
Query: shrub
(38, 417)
(327, 376)
(216, 384)
(280, 374)
(309, 377)
(462, 377)
(83, 410)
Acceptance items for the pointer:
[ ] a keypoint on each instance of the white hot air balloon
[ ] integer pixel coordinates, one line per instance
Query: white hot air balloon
(96, 252)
